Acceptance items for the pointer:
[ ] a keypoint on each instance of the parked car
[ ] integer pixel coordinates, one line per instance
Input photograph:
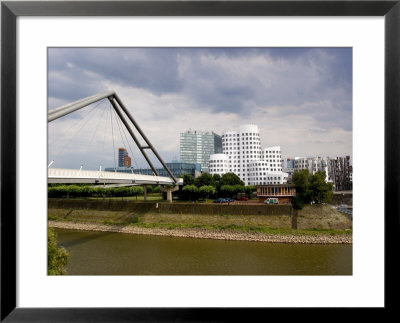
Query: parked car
(220, 200)
(243, 198)
(229, 200)
(271, 200)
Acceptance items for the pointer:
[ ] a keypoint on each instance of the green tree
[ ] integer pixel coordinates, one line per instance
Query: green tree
(301, 180)
(187, 179)
(311, 188)
(204, 179)
(230, 179)
(227, 190)
(57, 258)
(216, 178)
(249, 190)
(321, 191)
(238, 189)
(190, 191)
(136, 190)
(206, 190)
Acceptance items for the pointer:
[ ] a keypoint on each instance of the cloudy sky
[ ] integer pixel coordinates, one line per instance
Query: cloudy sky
(300, 98)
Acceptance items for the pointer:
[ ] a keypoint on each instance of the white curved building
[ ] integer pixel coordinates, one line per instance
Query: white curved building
(218, 164)
(246, 158)
(268, 170)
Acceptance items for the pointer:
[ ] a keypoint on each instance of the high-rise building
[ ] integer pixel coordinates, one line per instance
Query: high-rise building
(314, 164)
(246, 158)
(340, 173)
(122, 153)
(196, 147)
(127, 161)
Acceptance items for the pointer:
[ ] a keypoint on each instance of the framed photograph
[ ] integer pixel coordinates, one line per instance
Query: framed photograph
(206, 65)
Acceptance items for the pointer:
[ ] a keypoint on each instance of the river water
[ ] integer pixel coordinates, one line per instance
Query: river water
(105, 253)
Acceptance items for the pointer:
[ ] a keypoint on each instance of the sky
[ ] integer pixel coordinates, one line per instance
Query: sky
(300, 98)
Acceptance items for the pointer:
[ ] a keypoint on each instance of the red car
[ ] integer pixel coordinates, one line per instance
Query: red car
(242, 199)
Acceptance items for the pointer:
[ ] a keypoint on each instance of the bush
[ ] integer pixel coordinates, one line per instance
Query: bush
(57, 258)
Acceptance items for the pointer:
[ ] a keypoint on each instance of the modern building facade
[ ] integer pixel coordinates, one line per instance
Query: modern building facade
(247, 160)
(219, 164)
(314, 164)
(341, 173)
(122, 153)
(196, 147)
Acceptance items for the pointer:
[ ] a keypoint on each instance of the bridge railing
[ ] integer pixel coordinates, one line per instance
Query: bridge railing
(63, 175)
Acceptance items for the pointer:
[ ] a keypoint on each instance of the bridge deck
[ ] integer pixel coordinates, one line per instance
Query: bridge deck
(70, 176)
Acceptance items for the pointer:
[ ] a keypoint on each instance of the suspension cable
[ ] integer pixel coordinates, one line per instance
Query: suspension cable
(76, 124)
(119, 122)
(104, 107)
(73, 136)
(112, 131)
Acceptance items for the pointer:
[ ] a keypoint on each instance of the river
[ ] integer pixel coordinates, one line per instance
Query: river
(105, 253)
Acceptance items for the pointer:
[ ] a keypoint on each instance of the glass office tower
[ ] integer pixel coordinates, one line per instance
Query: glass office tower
(197, 146)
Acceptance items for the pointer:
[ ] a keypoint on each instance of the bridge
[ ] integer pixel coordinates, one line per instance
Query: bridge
(69, 176)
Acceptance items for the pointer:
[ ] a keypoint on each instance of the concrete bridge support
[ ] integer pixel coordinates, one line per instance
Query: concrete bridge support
(169, 191)
(144, 193)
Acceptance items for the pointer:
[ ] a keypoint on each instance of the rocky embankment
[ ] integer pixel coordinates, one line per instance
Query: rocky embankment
(206, 233)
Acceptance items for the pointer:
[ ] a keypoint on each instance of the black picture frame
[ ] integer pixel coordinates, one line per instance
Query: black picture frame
(10, 10)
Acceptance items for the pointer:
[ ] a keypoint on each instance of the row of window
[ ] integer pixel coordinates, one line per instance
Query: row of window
(265, 183)
(238, 139)
(243, 134)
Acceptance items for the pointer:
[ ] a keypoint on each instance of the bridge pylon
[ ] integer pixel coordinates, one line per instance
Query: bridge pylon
(169, 191)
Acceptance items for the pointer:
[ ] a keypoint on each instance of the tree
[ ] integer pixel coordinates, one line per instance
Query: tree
(301, 180)
(239, 189)
(321, 191)
(57, 258)
(227, 190)
(217, 178)
(249, 190)
(204, 179)
(188, 179)
(206, 190)
(311, 188)
(136, 190)
(230, 179)
(190, 190)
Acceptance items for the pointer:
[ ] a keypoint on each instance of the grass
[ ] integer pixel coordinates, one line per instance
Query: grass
(322, 222)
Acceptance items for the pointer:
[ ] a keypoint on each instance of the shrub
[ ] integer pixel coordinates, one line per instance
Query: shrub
(57, 257)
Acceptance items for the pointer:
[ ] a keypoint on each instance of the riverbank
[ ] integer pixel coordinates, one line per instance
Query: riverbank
(204, 233)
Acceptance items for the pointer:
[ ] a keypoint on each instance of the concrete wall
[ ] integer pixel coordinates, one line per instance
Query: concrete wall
(342, 198)
(175, 208)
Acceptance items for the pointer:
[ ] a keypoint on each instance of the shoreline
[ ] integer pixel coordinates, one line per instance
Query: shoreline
(199, 233)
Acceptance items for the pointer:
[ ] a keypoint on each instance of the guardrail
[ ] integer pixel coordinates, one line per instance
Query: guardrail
(63, 175)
